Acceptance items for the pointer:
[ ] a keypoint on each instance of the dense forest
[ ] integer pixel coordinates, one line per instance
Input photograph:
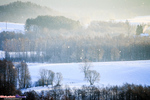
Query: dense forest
(20, 11)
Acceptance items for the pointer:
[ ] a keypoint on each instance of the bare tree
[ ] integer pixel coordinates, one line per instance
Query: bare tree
(85, 67)
(58, 78)
(50, 77)
(47, 77)
(92, 76)
(43, 73)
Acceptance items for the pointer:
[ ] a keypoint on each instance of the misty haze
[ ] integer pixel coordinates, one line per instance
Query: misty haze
(75, 49)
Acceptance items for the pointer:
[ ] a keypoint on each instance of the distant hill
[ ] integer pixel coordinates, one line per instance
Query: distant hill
(19, 11)
(95, 9)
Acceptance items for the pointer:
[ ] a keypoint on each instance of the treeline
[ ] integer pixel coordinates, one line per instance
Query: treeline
(111, 28)
(76, 48)
(8, 36)
(125, 92)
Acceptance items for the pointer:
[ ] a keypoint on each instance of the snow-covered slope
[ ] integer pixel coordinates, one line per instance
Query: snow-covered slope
(137, 20)
(11, 27)
(112, 73)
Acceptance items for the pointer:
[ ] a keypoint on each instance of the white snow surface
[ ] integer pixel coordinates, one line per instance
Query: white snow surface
(12, 27)
(144, 34)
(2, 54)
(111, 73)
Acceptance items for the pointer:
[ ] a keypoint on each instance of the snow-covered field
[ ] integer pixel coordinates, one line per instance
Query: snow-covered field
(112, 73)
(11, 27)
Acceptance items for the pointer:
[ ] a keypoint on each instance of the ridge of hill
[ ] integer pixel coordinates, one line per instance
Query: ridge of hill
(19, 11)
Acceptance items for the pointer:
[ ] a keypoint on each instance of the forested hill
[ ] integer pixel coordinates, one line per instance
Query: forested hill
(20, 11)
(51, 22)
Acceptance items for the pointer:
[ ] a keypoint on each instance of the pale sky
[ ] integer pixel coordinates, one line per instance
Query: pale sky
(93, 9)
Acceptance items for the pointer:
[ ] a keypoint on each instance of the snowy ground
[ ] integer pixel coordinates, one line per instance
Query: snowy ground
(2, 54)
(112, 73)
(136, 20)
(12, 27)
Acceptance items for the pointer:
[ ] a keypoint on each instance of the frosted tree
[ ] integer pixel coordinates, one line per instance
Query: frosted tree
(58, 78)
(85, 67)
(92, 76)
(50, 77)
(43, 73)
(139, 29)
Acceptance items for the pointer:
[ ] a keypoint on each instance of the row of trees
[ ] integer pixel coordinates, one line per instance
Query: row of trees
(11, 75)
(125, 92)
(77, 48)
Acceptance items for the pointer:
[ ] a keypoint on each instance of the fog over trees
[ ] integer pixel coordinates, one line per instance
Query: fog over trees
(57, 39)
(74, 46)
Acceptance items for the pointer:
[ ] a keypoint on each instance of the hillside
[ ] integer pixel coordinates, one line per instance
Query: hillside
(20, 11)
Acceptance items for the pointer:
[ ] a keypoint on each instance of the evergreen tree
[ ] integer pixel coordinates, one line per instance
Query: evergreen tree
(139, 29)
